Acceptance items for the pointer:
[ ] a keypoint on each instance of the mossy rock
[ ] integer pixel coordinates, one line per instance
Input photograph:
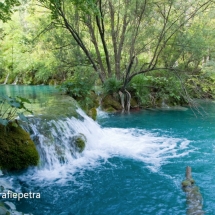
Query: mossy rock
(17, 150)
(108, 101)
(110, 110)
(80, 142)
(134, 103)
(92, 113)
(60, 105)
(94, 98)
(88, 102)
(52, 82)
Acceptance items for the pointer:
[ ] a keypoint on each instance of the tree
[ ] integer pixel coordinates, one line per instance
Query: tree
(126, 38)
(6, 9)
(118, 39)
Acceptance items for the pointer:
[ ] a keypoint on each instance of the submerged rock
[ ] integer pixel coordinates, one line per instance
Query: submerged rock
(8, 208)
(3, 210)
(60, 106)
(17, 149)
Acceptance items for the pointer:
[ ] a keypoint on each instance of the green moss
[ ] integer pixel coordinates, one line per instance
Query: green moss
(110, 110)
(80, 142)
(92, 113)
(108, 101)
(186, 183)
(88, 101)
(17, 150)
(134, 103)
(192, 181)
(94, 98)
(52, 82)
(60, 105)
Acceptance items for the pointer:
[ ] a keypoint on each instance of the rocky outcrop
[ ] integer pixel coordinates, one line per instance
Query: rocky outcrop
(110, 104)
(17, 149)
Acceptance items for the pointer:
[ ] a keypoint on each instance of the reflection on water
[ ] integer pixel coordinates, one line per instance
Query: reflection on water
(31, 92)
(44, 99)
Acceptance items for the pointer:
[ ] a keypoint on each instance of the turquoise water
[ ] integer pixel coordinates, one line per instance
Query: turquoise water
(44, 99)
(31, 92)
(39, 96)
(133, 165)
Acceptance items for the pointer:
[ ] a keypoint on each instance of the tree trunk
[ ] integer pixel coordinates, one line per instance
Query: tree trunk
(122, 98)
(128, 101)
(193, 195)
(6, 79)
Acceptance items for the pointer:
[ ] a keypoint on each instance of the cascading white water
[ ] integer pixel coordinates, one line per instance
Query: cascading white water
(58, 157)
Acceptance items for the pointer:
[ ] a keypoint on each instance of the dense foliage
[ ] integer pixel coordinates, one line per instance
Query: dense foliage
(156, 50)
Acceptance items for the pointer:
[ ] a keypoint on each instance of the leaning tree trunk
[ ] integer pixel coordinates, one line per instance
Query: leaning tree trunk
(122, 98)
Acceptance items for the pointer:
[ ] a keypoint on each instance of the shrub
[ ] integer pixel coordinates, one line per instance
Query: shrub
(150, 90)
(79, 85)
(9, 107)
(112, 85)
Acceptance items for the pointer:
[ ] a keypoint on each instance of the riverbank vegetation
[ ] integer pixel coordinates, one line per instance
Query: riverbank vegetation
(139, 53)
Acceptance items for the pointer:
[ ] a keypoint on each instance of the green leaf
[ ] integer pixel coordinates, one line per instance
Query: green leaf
(3, 122)
(15, 104)
(24, 99)
(14, 124)
(7, 98)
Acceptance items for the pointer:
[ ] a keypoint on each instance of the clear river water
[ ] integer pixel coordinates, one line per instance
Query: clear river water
(133, 164)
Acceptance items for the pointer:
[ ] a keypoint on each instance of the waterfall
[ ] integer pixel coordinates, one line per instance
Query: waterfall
(6, 79)
(54, 139)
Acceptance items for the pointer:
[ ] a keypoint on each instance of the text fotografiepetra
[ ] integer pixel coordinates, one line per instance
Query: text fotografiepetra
(12, 195)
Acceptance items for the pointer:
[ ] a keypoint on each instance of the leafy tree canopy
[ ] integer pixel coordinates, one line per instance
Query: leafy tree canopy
(6, 9)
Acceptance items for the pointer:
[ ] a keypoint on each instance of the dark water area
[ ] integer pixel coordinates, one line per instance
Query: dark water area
(133, 164)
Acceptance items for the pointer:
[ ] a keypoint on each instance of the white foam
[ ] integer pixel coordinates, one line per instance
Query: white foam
(102, 144)
(101, 114)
